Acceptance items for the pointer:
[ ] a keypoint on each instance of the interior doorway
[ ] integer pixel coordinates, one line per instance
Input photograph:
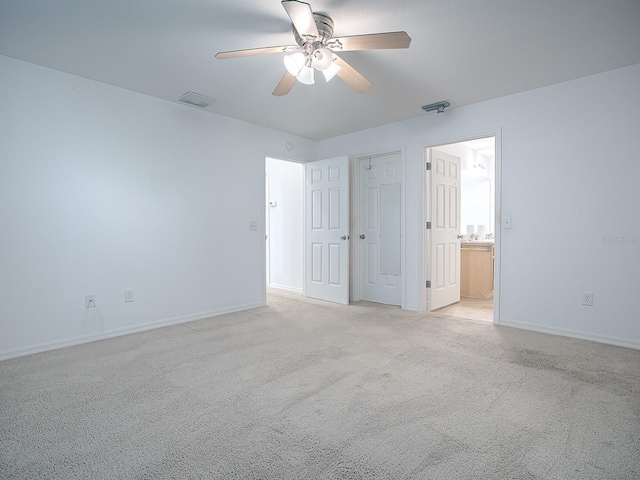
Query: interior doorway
(462, 231)
(307, 227)
(284, 222)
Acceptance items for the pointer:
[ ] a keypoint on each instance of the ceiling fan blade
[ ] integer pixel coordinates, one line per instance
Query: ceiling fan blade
(255, 51)
(301, 16)
(371, 41)
(285, 85)
(352, 77)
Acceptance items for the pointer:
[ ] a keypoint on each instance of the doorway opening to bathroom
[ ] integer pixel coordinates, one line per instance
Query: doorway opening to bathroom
(460, 243)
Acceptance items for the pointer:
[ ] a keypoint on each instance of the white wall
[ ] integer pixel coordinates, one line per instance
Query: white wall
(570, 171)
(285, 185)
(103, 189)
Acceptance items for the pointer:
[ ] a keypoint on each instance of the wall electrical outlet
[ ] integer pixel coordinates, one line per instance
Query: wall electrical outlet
(587, 299)
(90, 300)
(253, 225)
(128, 295)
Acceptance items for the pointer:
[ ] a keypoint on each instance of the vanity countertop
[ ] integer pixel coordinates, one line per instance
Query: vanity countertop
(477, 243)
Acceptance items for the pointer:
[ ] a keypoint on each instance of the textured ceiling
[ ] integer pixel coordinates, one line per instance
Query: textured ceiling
(465, 51)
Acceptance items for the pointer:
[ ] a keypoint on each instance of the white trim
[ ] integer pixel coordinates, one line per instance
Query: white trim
(264, 230)
(424, 235)
(287, 288)
(403, 229)
(117, 332)
(267, 232)
(354, 227)
(304, 232)
(565, 332)
(497, 227)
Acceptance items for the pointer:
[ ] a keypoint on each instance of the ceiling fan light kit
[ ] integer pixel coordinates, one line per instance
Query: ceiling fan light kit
(302, 66)
(316, 47)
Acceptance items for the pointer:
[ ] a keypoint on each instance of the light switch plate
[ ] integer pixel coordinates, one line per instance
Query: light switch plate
(506, 222)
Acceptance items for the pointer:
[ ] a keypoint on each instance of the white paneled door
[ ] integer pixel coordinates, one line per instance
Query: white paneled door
(327, 230)
(379, 233)
(445, 225)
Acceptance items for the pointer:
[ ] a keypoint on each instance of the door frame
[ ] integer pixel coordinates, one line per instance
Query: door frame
(355, 221)
(425, 235)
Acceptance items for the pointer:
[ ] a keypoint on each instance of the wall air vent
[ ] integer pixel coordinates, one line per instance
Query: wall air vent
(196, 100)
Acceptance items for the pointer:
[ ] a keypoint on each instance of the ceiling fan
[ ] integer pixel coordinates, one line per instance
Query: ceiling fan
(316, 49)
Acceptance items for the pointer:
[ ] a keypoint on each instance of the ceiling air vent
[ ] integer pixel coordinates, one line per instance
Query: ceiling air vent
(438, 106)
(196, 99)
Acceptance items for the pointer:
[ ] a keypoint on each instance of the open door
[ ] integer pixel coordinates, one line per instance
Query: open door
(327, 230)
(445, 225)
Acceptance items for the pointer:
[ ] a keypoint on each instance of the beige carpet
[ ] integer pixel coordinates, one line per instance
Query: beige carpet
(302, 389)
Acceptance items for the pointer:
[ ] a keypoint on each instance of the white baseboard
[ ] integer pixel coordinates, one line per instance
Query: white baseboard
(92, 337)
(285, 287)
(413, 308)
(565, 332)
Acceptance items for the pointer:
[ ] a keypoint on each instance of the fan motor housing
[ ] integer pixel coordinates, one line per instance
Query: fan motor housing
(325, 29)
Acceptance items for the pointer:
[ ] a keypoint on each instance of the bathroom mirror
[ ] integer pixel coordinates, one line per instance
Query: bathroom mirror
(475, 208)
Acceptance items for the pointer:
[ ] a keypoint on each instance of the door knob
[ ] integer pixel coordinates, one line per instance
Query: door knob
(343, 237)
(362, 236)
(460, 236)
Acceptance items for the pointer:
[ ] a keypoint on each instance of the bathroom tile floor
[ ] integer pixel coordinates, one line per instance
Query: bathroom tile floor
(474, 308)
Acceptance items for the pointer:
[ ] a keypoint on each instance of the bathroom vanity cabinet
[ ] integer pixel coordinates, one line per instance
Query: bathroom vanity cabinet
(476, 269)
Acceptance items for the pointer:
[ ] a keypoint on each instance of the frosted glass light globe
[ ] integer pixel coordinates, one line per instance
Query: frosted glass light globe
(294, 63)
(322, 59)
(330, 72)
(306, 76)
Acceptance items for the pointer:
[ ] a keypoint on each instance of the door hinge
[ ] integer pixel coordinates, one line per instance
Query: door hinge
(428, 283)
(429, 166)
(428, 225)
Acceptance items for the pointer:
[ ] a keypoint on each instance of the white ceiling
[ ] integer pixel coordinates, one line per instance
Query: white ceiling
(465, 51)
